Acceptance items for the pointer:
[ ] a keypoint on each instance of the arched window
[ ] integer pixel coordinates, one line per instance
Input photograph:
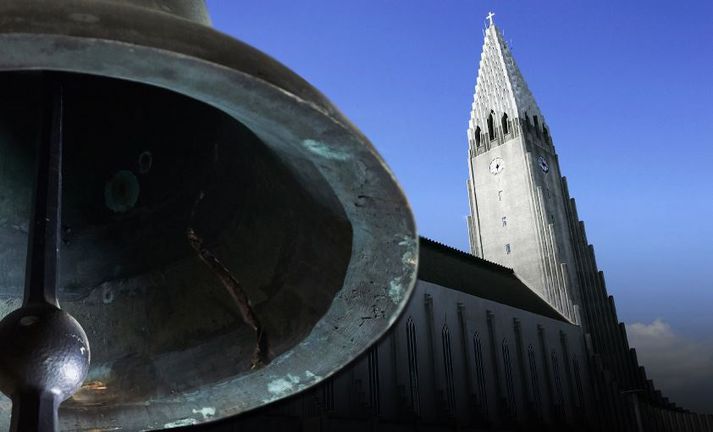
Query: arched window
(448, 366)
(491, 126)
(537, 124)
(413, 366)
(504, 122)
(509, 386)
(545, 134)
(480, 373)
(477, 136)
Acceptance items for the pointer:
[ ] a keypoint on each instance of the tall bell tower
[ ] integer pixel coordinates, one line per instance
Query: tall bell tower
(519, 213)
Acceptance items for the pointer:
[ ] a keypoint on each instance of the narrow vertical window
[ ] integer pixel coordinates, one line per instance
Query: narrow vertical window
(509, 386)
(536, 395)
(480, 373)
(559, 399)
(578, 382)
(477, 137)
(411, 348)
(448, 366)
(537, 124)
(545, 134)
(505, 220)
(374, 396)
(328, 395)
(500, 195)
(507, 248)
(504, 123)
(491, 126)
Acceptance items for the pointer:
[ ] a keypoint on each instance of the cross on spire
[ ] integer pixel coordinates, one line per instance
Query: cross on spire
(490, 18)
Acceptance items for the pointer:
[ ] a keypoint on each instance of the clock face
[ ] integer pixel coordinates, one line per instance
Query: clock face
(496, 166)
(543, 164)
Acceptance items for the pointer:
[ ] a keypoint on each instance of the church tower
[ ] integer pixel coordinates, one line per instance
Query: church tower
(519, 214)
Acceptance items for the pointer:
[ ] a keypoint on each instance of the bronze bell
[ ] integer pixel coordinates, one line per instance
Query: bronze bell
(221, 233)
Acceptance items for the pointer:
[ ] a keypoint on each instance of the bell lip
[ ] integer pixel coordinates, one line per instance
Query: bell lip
(130, 43)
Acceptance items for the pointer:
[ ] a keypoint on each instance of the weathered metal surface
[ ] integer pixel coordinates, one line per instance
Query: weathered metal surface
(45, 352)
(298, 206)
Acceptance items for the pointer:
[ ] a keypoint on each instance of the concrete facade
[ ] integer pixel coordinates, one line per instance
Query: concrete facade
(517, 202)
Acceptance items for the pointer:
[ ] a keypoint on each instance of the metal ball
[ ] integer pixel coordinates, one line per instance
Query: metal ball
(44, 349)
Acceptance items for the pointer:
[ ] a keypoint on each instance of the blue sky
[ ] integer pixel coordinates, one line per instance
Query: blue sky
(626, 88)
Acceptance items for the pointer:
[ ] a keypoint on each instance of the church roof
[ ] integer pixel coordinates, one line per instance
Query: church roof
(500, 86)
(454, 269)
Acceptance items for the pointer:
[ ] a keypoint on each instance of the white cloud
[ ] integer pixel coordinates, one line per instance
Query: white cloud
(681, 368)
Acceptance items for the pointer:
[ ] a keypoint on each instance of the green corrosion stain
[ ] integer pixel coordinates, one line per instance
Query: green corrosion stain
(396, 287)
(281, 387)
(205, 412)
(182, 422)
(121, 192)
(323, 150)
(396, 290)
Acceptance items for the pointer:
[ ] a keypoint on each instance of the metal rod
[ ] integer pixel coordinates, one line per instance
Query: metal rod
(35, 412)
(44, 237)
(36, 409)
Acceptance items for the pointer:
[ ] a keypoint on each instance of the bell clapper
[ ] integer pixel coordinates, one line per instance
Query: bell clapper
(45, 350)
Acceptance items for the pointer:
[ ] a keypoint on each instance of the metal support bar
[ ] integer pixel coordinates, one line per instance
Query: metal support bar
(43, 244)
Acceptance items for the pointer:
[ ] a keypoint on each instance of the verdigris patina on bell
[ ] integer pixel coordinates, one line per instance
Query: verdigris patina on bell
(227, 237)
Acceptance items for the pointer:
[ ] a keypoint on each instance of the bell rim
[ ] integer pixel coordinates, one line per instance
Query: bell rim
(74, 50)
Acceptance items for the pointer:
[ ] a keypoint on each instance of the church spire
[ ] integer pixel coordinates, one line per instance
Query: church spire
(500, 87)
(490, 18)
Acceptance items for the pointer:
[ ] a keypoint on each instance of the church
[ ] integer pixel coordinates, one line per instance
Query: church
(519, 334)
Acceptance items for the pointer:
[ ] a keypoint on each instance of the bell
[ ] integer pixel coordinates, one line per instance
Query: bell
(189, 230)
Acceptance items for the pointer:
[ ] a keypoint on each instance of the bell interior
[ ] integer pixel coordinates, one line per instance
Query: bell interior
(142, 165)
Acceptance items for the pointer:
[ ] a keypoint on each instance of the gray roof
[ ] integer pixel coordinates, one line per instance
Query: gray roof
(452, 268)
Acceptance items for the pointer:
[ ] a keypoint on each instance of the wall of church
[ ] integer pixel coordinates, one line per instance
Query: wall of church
(452, 360)
(514, 366)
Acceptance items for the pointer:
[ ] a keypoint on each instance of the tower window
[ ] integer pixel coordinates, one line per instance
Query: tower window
(491, 126)
(507, 248)
(477, 136)
(504, 122)
(500, 195)
(505, 220)
(544, 133)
